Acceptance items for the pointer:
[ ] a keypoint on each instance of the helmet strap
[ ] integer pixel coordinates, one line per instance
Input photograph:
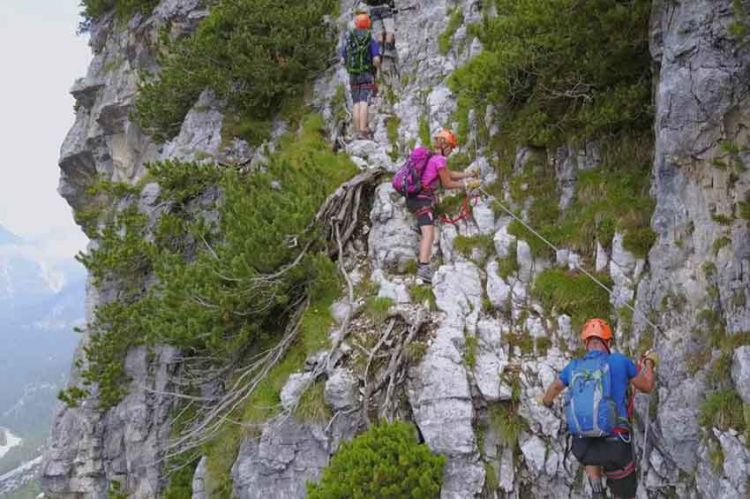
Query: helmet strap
(603, 342)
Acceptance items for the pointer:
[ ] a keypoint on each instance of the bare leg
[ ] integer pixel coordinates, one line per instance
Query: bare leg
(594, 474)
(356, 112)
(425, 244)
(363, 121)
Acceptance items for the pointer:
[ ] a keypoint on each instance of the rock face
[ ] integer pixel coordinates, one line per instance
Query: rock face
(492, 348)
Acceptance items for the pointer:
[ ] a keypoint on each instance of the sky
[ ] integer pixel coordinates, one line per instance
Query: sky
(41, 58)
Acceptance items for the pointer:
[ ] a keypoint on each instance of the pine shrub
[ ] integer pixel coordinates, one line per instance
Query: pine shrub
(562, 68)
(203, 296)
(255, 55)
(385, 462)
(93, 9)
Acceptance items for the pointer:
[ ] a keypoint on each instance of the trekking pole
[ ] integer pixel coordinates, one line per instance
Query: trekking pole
(588, 274)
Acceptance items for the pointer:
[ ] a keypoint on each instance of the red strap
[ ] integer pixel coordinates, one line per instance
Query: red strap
(465, 211)
(621, 473)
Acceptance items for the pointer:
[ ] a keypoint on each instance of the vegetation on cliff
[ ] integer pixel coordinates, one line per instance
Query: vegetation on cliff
(255, 55)
(209, 293)
(385, 461)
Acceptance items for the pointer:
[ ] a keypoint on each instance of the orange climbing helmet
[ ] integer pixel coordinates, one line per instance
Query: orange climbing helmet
(596, 328)
(448, 136)
(362, 21)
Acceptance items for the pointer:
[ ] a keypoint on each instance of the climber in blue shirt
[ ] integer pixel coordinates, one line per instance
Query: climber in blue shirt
(597, 410)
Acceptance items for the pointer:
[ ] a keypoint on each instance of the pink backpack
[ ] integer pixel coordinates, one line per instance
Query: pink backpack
(408, 179)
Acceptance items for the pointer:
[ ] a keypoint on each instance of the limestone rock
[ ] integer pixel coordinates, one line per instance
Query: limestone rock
(287, 456)
(741, 372)
(392, 240)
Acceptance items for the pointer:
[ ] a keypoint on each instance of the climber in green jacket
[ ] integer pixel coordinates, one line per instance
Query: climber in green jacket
(361, 55)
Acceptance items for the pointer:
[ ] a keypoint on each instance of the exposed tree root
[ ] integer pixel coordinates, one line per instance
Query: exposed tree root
(338, 219)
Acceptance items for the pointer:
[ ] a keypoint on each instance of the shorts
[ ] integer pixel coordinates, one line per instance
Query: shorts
(615, 456)
(363, 87)
(423, 208)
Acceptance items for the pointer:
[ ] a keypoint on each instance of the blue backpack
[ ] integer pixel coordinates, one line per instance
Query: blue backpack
(590, 410)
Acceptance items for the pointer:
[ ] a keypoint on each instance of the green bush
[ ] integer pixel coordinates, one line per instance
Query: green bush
(724, 410)
(562, 68)
(573, 294)
(93, 9)
(212, 301)
(445, 39)
(256, 55)
(384, 462)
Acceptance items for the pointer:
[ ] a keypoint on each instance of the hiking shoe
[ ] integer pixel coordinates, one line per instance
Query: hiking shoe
(424, 272)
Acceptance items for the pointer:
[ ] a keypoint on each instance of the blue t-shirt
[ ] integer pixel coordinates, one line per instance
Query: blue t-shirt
(622, 370)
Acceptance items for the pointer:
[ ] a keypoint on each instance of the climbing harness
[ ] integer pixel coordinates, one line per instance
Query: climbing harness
(647, 423)
(470, 200)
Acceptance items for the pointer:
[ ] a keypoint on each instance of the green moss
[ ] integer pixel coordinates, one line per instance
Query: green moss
(411, 267)
(716, 456)
(455, 20)
(739, 297)
(724, 410)
(505, 419)
(466, 245)
(639, 241)
(720, 243)
(425, 137)
(696, 359)
(713, 327)
(744, 207)
(523, 340)
(181, 482)
(385, 461)
(508, 266)
(542, 345)
(423, 294)
(739, 29)
(720, 373)
(116, 491)
(392, 123)
(470, 352)
(312, 405)
(572, 294)
(377, 308)
(415, 351)
(491, 482)
(339, 105)
(722, 219)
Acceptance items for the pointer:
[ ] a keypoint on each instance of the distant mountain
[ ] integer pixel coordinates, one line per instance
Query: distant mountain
(7, 237)
(40, 305)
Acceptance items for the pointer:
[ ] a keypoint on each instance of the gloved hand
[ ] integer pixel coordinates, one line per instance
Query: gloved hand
(472, 184)
(652, 356)
(473, 172)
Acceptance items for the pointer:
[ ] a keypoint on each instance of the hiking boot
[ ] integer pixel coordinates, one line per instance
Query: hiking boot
(365, 135)
(424, 272)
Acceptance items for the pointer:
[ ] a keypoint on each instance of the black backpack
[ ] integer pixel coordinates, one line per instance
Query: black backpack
(358, 58)
(374, 3)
